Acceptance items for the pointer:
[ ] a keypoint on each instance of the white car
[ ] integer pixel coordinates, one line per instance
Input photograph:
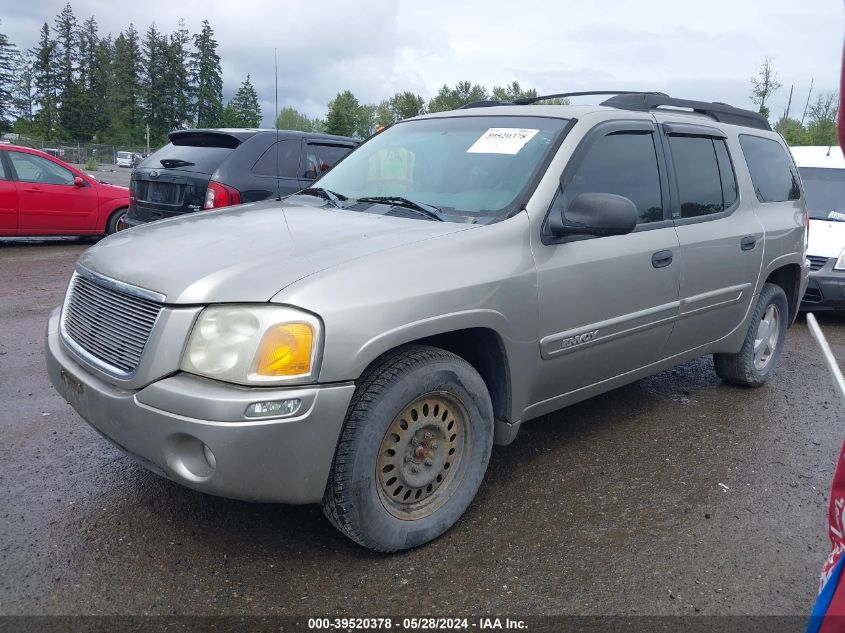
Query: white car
(822, 170)
(127, 159)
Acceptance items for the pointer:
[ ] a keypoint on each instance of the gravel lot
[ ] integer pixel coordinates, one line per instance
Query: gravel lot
(674, 495)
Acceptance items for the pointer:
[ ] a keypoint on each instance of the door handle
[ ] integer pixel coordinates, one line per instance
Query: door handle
(748, 242)
(33, 190)
(661, 259)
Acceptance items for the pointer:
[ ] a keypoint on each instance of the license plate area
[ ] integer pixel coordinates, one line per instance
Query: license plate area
(73, 386)
(164, 193)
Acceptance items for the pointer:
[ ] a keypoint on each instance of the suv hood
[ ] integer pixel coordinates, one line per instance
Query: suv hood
(250, 252)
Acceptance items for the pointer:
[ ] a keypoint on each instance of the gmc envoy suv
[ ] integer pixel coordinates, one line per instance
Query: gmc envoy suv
(363, 343)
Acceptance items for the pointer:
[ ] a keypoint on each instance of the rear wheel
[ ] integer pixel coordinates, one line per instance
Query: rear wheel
(113, 225)
(413, 450)
(756, 360)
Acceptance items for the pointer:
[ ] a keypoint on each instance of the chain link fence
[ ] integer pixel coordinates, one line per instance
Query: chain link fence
(78, 153)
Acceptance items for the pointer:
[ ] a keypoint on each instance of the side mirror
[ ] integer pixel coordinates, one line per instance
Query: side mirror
(599, 214)
(79, 181)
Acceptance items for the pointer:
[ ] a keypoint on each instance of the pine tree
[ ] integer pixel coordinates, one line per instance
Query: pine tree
(8, 66)
(343, 116)
(103, 86)
(23, 92)
(207, 79)
(155, 98)
(179, 95)
(126, 121)
(243, 110)
(73, 115)
(45, 80)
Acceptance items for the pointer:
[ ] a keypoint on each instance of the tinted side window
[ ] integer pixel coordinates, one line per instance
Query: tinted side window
(697, 173)
(774, 177)
(287, 161)
(320, 158)
(31, 168)
(624, 164)
(3, 174)
(726, 172)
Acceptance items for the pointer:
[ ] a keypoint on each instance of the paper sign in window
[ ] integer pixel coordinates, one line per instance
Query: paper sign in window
(502, 140)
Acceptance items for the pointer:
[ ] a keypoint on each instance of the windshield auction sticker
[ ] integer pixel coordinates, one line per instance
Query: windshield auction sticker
(502, 140)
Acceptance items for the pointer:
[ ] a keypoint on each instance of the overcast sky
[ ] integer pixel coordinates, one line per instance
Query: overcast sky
(378, 47)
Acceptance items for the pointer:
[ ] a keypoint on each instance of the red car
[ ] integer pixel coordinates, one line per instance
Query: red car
(42, 195)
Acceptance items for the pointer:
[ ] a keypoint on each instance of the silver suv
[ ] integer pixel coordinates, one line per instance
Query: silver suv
(364, 343)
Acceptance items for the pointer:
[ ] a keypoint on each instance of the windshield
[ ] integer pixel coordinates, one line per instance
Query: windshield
(473, 168)
(123, 154)
(824, 191)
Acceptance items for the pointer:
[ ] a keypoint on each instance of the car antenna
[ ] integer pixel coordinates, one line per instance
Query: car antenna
(276, 121)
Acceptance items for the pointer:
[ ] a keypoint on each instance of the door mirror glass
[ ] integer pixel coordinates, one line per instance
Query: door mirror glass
(599, 214)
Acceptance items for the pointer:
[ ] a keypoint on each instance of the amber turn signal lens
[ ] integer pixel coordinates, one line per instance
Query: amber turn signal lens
(286, 350)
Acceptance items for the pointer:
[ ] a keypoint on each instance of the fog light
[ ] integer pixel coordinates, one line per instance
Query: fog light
(273, 408)
(209, 457)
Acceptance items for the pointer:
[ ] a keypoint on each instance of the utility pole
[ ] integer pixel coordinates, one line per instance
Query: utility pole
(789, 102)
(809, 92)
(147, 134)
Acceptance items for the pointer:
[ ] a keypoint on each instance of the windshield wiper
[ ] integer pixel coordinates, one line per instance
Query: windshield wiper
(325, 194)
(428, 210)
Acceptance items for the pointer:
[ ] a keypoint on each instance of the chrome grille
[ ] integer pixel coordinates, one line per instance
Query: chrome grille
(816, 263)
(109, 326)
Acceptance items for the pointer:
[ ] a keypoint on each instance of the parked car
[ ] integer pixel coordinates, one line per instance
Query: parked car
(211, 169)
(42, 195)
(365, 342)
(127, 159)
(822, 170)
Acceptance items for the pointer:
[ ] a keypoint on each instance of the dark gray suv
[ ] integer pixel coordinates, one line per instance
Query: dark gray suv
(211, 169)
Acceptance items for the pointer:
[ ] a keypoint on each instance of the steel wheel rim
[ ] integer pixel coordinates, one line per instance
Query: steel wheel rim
(421, 456)
(766, 338)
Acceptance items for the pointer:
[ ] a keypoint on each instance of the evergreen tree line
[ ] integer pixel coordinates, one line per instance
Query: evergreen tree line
(76, 84)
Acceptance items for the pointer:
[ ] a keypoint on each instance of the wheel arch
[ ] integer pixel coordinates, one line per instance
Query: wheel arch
(484, 348)
(788, 277)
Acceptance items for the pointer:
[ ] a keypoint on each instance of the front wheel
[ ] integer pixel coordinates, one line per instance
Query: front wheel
(756, 360)
(413, 450)
(115, 221)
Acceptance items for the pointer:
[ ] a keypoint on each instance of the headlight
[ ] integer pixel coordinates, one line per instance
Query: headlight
(254, 345)
(840, 261)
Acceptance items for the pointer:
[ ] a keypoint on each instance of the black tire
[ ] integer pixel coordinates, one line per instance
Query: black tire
(117, 216)
(743, 368)
(359, 501)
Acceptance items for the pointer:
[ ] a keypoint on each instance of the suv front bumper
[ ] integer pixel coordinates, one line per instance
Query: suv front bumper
(825, 289)
(172, 425)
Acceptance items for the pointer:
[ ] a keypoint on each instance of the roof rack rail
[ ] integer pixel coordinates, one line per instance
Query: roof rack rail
(645, 101)
(587, 93)
(722, 112)
(559, 95)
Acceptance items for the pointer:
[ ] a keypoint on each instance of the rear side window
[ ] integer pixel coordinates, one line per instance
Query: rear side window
(623, 163)
(706, 182)
(285, 162)
(320, 158)
(3, 175)
(772, 172)
(203, 160)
